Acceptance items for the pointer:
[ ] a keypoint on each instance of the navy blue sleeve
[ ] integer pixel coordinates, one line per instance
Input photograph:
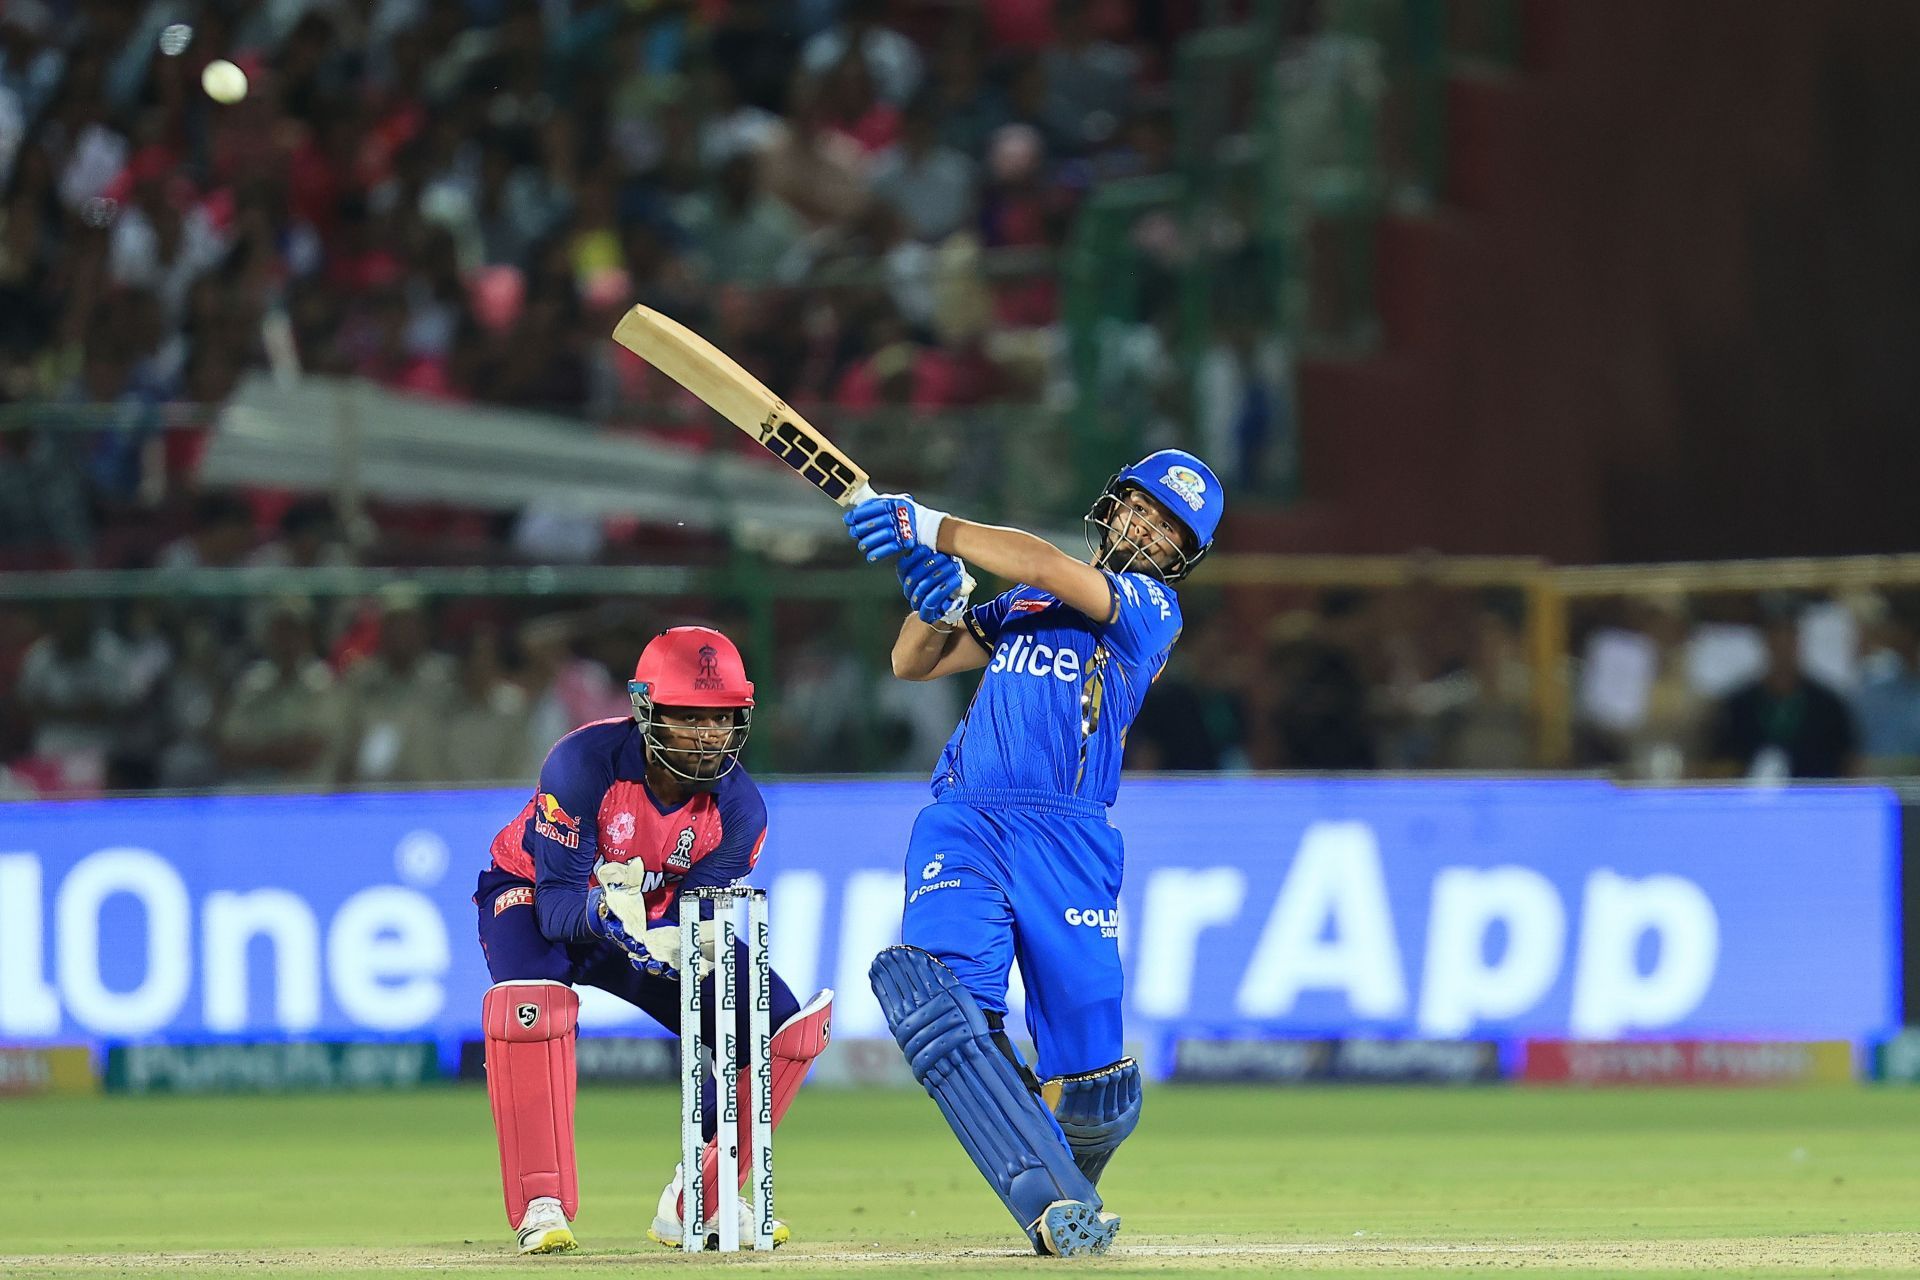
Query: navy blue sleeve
(984, 620)
(743, 829)
(564, 834)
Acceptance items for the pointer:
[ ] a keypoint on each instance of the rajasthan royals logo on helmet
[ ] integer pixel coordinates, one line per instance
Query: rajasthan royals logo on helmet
(1186, 482)
(708, 675)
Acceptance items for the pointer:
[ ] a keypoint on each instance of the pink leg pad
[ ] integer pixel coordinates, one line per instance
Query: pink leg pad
(530, 1027)
(800, 1040)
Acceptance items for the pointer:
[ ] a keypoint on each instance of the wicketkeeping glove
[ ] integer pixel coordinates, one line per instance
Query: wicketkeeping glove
(620, 886)
(938, 586)
(891, 523)
(663, 941)
(606, 926)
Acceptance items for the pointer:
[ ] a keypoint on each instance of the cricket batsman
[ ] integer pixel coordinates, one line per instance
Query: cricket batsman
(1015, 857)
(585, 887)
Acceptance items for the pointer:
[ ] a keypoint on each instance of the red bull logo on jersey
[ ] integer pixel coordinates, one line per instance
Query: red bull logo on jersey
(1024, 655)
(555, 823)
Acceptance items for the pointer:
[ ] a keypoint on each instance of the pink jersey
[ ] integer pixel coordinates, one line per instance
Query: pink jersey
(593, 806)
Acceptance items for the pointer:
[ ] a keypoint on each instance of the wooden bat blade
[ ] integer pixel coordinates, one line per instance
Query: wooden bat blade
(742, 399)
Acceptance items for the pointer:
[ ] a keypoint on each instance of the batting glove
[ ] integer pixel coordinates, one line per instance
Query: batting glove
(938, 586)
(891, 523)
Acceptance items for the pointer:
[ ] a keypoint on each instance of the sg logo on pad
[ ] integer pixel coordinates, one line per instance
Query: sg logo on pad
(528, 1015)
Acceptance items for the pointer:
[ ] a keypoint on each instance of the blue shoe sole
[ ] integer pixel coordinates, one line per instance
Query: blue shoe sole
(1071, 1229)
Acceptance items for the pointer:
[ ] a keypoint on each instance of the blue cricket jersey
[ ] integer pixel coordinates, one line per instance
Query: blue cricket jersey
(1051, 715)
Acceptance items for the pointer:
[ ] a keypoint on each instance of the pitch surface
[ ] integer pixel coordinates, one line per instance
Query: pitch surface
(1341, 1181)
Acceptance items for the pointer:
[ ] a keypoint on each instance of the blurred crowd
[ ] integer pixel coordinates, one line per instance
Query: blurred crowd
(455, 198)
(1661, 687)
(398, 689)
(388, 689)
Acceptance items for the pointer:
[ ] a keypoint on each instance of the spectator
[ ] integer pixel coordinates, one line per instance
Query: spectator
(76, 685)
(43, 496)
(1145, 146)
(744, 235)
(285, 725)
(888, 57)
(912, 721)
(1171, 734)
(1637, 695)
(1245, 401)
(221, 536)
(1786, 723)
(1417, 627)
(310, 538)
(1887, 701)
(818, 724)
(484, 728)
(818, 172)
(753, 50)
(1492, 729)
(1321, 717)
(398, 698)
(851, 108)
(1088, 81)
(732, 127)
(930, 183)
(968, 107)
(191, 704)
(567, 688)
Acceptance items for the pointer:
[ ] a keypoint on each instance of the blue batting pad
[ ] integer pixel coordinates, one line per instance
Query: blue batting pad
(1097, 1110)
(1005, 1128)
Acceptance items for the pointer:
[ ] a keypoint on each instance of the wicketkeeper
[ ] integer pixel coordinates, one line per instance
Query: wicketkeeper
(1016, 858)
(585, 887)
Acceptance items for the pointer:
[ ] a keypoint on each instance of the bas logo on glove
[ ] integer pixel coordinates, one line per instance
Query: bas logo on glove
(885, 526)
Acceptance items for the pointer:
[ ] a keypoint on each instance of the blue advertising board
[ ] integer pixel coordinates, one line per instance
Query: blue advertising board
(1252, 907)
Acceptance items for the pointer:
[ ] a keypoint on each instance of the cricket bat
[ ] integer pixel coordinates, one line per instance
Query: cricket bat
(743, 400)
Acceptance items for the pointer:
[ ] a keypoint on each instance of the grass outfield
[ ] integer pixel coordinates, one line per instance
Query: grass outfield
(1349, 1181)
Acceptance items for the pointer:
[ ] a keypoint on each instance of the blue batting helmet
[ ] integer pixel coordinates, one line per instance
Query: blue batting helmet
(1182, 484)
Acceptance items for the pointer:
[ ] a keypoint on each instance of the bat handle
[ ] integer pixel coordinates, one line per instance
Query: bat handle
(860, 495)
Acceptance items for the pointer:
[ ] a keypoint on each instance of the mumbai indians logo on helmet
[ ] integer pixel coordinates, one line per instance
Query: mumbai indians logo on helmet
(1186, 482)
(708, 676)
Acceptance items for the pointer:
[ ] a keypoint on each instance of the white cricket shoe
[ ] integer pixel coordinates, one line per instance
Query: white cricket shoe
(666, 1221)
(545, 1228)
(1071, 1228)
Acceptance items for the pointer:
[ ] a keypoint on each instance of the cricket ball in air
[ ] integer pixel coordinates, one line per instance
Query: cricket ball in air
(224, 82)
